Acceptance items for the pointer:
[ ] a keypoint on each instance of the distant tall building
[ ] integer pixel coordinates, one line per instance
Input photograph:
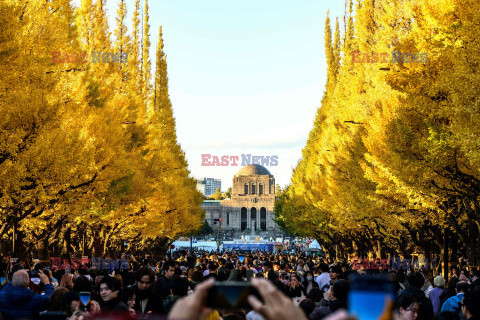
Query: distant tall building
(207, 186)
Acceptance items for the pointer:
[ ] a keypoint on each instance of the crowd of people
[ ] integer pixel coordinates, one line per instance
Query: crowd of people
(291, 286)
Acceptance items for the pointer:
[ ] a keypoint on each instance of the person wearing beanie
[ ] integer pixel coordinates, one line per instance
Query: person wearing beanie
(434, 295)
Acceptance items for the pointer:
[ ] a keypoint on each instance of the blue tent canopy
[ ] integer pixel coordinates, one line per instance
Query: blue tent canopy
(249, 246)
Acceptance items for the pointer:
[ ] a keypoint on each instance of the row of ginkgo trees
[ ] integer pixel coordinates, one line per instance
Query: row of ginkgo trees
(392, 163)
(89, 157)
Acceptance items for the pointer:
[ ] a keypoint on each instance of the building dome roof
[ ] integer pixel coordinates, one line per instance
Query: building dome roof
(253, 169)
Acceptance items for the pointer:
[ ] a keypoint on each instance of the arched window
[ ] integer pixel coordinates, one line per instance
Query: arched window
(243, 216)
(253, 188)
(246, 188)
(253, 217)
(263, 219)
(260, 188)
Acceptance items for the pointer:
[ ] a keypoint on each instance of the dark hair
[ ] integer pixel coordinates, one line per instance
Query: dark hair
(307, 306)
(168, 264)
(416, 280)
(462, 286)
(126, 294)
(67, 299)
(197, 276)
(336, 269)
(145, 271)
(452, 283)
(296, 276)
(315, 294)
(212, 267)
(112, 283)
(55, 302)
(324, 267)
(179, 286)
(404, 302)
(82, 283)
(471, 301)
(340, 289)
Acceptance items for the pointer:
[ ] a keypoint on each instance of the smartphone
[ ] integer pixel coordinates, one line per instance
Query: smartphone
(2, 280)
(231, 295)
(370, 298)
(241, 259)
(85, 299)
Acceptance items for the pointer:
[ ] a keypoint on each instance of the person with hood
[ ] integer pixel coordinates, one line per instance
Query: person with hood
(19, 301)
(415, 281)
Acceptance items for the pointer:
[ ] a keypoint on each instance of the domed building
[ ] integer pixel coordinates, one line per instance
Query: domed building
(250, 211)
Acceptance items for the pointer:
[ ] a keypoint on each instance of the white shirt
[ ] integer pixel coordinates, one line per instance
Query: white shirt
(323, 279)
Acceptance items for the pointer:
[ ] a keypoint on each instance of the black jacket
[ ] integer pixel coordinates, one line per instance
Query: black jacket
(162, 287)
(154, 302)
(113, 306)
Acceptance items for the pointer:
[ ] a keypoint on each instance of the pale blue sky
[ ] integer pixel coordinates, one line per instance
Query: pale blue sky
(245, 76)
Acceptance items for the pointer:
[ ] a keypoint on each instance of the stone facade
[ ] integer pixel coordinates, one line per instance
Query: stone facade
(250, 211)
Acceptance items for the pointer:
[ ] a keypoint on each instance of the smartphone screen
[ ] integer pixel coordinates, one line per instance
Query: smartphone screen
(241, 259)
(370, 297)
(84, 297)
(231, 295)
(2, 280)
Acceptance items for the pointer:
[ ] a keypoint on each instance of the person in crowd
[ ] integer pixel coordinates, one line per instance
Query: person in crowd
(453, 304)
(434, 295)
(55, 302)
(307, 306)
(449, 291)
(111, 302)
(398, 287)
(71, 301)
(315, 295)
(407, 308)
(428, 284)
(127, 295)
(464, 276)
(212, 271)
(179, 289)
(295, 289)
(67, 281)
(414, 282)
(475, 278)
(162, 286)
(470, 305)
(334, 299)
(146, 299)
(324, 278)
(18, 301)
(309, 283)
